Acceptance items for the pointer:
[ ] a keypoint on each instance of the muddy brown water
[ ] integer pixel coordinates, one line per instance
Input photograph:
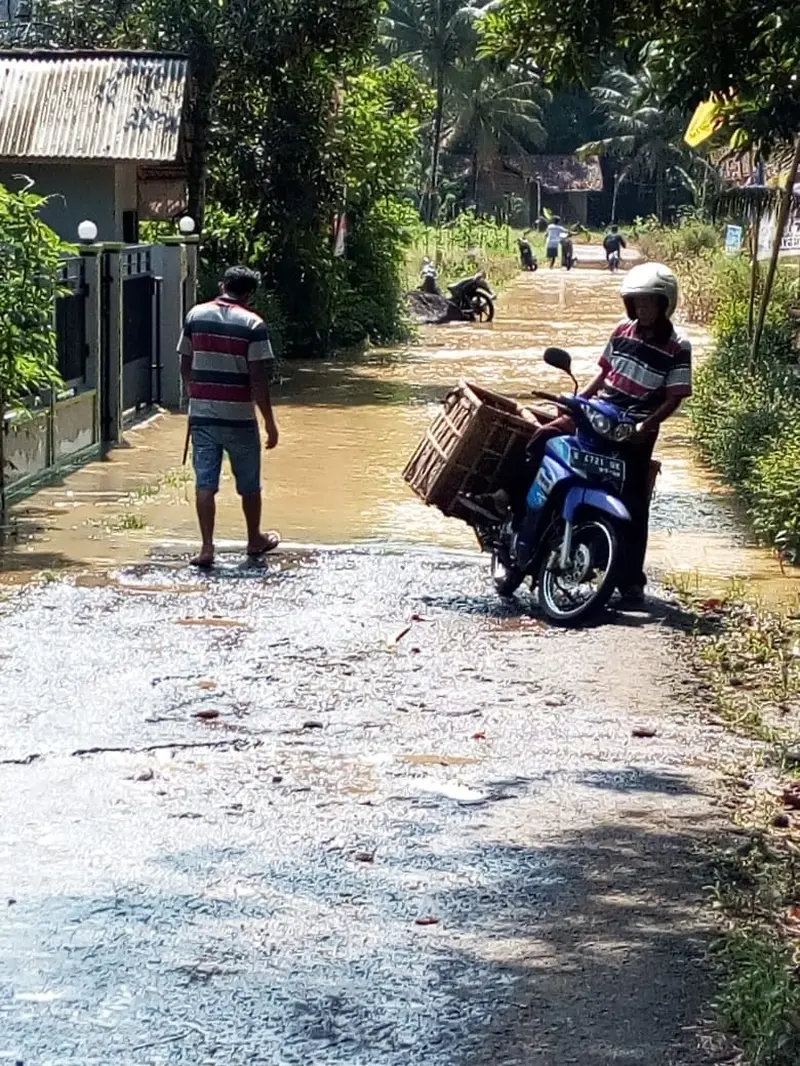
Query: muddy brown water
(347, 428)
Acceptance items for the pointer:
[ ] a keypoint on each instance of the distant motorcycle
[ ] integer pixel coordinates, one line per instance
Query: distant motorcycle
(527, 259)
(473, 297)
(613, 261)
(567, 253)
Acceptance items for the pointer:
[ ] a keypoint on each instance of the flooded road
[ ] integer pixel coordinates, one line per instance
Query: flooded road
(347, 429)
(346, 807)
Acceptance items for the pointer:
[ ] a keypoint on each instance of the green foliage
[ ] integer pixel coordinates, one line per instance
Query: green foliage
(695, 47)
(29, 259)
(760, 1000)
(746, 420)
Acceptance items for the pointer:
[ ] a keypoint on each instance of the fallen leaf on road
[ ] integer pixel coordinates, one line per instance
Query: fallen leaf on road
(207, 685)
(145, 775)
(206, 716)
(220, 623)
(427, 919)
(392, 642)
(441, 760)
(313, 725)
(479, 736)
(643, 731)
(364, 856)
(418, 618)
(712, 605)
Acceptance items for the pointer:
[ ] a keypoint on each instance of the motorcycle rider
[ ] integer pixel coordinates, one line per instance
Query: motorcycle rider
(645, 369)
(613, 242)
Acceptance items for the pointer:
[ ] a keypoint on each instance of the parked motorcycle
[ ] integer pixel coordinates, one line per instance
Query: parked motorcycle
(527, 259)
(473, 297)
(571, 533)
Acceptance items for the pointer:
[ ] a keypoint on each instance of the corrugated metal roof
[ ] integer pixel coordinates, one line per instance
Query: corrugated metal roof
(94, 106)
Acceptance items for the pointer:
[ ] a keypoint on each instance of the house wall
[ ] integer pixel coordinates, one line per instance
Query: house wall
(77, 191)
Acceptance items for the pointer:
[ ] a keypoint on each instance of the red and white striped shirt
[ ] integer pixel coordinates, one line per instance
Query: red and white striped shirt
(640, 374)
(223, 338)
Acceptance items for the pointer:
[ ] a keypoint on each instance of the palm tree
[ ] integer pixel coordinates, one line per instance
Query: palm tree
(643, 136)
(496, 113)
(433, 35)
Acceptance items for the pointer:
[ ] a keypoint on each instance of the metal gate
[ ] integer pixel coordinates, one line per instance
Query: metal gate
(71, 343)
(141, 357)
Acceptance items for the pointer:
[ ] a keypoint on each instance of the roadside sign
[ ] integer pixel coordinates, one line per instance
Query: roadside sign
(734, 235)
(790, 243)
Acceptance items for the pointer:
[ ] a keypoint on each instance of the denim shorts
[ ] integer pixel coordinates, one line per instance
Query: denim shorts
(242, 445)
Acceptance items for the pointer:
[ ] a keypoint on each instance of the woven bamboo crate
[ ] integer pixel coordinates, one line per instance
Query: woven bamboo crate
(467, 449)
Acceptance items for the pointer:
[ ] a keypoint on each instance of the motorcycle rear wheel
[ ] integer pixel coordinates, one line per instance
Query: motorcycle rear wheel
(482, 307)
(570, 597)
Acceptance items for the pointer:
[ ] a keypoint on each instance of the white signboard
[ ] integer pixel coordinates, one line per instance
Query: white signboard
(733, 239)
(790, 245)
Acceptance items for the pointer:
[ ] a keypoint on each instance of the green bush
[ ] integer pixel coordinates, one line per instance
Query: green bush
(746, 421)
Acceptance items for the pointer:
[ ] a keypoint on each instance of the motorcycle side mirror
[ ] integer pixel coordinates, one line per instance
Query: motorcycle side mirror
(561, 360)
(558, 358)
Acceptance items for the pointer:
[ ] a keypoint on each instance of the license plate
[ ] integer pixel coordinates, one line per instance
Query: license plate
(603, 467)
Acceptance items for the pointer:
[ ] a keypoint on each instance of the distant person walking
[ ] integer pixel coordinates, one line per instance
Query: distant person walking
(225, 357)
(613, 243)
(553, 236)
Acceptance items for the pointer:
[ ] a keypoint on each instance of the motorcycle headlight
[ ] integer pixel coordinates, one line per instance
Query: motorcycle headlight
(599, 422)
(624, 431)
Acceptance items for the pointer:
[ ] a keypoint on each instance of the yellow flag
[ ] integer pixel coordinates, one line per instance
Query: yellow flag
(705, 121)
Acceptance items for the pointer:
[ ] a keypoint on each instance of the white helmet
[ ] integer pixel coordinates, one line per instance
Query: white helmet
(650, 279)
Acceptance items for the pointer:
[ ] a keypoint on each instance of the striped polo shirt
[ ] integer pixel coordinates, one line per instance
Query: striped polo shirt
(223, 337)
(641, 374)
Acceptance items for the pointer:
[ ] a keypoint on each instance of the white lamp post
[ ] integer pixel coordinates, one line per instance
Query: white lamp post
(186, 226)
(87, 231)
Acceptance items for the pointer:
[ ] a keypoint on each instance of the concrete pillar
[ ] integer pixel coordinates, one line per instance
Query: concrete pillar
(112, 333)
(192, 246)
(171, 260)
(93, 280)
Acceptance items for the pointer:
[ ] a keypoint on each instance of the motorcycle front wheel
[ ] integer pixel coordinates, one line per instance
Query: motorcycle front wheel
(482, 307)
(571, 595)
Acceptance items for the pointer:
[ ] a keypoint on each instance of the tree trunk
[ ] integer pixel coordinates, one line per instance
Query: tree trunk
(783, 214)
(204, 84)
(438, 118)
(476, 173)
(751, 311)
(614, 197)
(660, 195)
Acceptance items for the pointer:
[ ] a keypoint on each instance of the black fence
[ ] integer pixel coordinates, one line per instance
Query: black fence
(140, 348)
(71, 343)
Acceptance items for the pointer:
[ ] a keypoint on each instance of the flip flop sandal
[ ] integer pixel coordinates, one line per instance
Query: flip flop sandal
(202, 564)
(272, 540)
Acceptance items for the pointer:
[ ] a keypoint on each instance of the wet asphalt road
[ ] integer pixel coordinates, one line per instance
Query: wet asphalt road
(245, 886)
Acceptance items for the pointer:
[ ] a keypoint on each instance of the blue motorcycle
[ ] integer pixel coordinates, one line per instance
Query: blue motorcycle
(570, 535)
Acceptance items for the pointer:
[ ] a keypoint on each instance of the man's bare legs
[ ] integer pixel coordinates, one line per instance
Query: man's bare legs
(258, 543)
(205, 501)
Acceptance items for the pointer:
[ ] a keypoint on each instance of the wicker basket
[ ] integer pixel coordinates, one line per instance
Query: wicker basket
(467, 449)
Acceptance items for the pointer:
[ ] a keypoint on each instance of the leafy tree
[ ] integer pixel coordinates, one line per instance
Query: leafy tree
(29, 259)
(496, 113)
(750, 48)
(434, 35)
(643, 137)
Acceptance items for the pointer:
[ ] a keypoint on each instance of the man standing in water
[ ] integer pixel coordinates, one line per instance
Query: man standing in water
(225, 357)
